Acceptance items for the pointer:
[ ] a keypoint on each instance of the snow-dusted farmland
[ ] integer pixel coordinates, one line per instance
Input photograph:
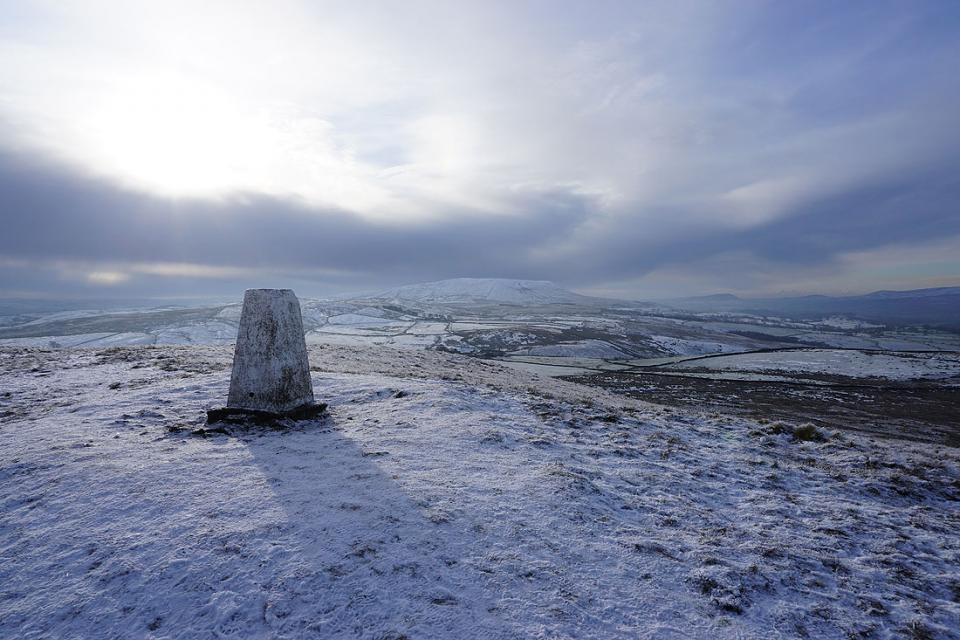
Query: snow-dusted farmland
(849, 363)
(580, 349)
(684, 347)
(101, 339)
(448, 497)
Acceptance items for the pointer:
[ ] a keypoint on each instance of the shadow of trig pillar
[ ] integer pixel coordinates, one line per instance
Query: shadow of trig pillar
(271, 373)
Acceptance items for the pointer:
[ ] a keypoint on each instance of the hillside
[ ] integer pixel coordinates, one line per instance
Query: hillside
(448, 497)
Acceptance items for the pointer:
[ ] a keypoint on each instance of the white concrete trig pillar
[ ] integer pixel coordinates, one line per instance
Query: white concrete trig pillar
(271, 372)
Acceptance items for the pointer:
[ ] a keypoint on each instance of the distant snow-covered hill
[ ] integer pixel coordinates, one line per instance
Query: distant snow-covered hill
(490, 290)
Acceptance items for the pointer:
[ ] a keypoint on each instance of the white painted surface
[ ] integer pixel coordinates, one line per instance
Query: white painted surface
(271, 371)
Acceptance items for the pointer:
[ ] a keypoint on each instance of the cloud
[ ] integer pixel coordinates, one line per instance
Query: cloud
(166, 143)
(73, 224)
(63, 216)
(107, 277)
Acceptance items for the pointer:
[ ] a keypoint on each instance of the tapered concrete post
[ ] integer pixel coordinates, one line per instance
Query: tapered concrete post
(271, 373)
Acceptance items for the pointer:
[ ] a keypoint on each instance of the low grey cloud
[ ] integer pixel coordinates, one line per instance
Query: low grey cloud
(72, 223)
(70, 218)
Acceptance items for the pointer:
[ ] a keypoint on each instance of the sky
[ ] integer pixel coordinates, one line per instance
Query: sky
(632, 149)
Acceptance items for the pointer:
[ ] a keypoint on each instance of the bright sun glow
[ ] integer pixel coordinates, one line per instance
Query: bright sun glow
(283, 99)
(176, 137)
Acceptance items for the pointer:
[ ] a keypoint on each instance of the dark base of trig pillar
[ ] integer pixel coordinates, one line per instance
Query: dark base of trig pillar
(242, 416)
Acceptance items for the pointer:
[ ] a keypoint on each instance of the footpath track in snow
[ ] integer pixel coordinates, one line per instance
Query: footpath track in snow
(446, 497)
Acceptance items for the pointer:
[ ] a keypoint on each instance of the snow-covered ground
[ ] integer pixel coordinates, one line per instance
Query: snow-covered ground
(444, 497)
(892, 341)
(685, 347)
(206, 332)
(850, 363)
(364, 320)
(579, 349)
(101, 339)
(841, 322)
(487, 317)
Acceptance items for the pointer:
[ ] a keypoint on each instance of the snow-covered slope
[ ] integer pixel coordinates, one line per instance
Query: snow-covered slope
(839, 362)
(489, 290)
(447, 498)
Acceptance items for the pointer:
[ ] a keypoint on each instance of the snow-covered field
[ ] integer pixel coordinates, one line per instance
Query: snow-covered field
(485, 317)
(684, 347)
(841, 322)
(580, 349)
(850, 363)
(101, 339)
(444, 497)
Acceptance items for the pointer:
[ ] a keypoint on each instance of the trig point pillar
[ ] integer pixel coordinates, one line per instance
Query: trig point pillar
(271, 374)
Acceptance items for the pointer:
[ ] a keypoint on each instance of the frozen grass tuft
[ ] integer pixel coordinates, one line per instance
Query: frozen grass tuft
(808, 432)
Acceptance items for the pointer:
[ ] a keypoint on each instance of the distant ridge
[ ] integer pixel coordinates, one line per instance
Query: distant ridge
(915, 293)
(487, 290)
(938, 306)
(715, 297)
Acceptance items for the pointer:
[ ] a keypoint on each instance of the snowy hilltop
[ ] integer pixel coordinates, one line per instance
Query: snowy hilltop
(444, 497)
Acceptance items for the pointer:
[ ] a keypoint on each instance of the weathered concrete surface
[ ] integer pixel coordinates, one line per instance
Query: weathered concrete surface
(271, 373)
